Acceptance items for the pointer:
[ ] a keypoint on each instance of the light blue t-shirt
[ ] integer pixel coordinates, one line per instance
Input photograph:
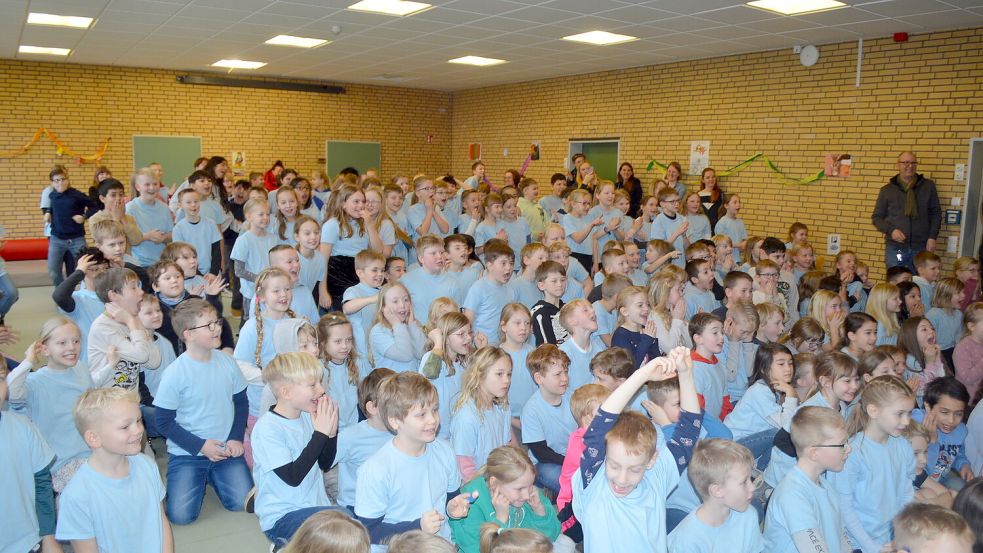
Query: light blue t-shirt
(526, 291)
(356, 444)
(344, 246)
(424, 288)
(362, 319)
(874, 485)
(580, 359)
(448, 387)
(948, 326)
(417, 213)
(518, 235)
(201, 236)
(606, 320)
(711, 382)
(312, 270)
(755, 413)
(607, 214)
(576, 271)
(152, 377)
(50, 400)
(552, 423)
(882, 337)
(781, 463)
(122, 514)
(663, 228)
(152, 216)
(522, 386)
(485, 232)
(254, 252)
(475, 435)
(245, 350)
(278, 441)
(88, 306)
(572, 224)
(487, 299)
(639, 517)
(926, 288)
(388, 342)
(201, 393)
(699, 228)
(344, 392)
(799, 504)
(740, 532)
(401, 488)
(733, 229)
(24, 453)
(288, 232)
(698, 300)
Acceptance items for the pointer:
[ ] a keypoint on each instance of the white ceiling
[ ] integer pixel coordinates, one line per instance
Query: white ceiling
(413, 51)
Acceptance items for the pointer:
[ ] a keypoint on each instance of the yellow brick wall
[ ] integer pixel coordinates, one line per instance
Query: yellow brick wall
(925, 95)
(85, 104)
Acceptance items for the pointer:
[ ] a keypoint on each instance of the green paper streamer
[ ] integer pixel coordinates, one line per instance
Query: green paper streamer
(779, 174)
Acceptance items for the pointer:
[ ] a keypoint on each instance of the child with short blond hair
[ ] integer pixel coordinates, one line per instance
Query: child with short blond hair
(582, 343)
(921, 528)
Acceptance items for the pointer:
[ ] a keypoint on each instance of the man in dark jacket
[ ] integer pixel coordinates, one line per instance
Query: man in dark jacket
(908, 213)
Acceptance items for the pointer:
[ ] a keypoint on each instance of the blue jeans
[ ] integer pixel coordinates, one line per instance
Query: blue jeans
(187, 476)
(548, 476)
(8, 294)
(57, 248)
(287, 526)
(900, 255)
(760, 444)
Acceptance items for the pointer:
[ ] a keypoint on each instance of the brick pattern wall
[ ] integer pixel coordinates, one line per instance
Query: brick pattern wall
(85, 104)
(925, 95)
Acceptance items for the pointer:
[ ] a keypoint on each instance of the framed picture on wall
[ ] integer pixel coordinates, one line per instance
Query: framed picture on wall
(474, 151)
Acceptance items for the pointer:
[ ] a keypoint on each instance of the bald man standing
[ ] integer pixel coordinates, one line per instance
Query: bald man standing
(908, 213)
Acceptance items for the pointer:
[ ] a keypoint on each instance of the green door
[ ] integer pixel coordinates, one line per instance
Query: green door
(604, 157)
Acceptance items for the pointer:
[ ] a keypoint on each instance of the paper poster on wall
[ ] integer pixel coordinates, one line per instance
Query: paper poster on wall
(699, 156)
(534, 151)
(237, 162)
(474, 151)
(838, 165)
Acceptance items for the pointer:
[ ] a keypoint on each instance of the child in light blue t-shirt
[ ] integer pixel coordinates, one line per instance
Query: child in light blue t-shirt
(359, 301)
(721, 474)
(428, 281)
(27, 501)
(405, 484)
(118, 483)
(626, 470)
(517, 232)
(489, 295)
(152, 216)
(547, 421)
(480, 418)
(202, 410)
(199, 232)
(395, 340)
(292, 445)
(358, 442)
(251, 252)
(732, 227)
(669, 225)
(582, 343)
(698, 293)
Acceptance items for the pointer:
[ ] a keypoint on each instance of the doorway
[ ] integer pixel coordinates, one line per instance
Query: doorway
(970, 233)
(603, 154)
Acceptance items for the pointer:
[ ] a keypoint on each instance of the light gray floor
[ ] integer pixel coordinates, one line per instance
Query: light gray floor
(216, 529)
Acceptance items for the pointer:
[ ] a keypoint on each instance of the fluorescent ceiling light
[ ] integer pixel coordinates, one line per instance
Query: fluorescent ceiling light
(390, 7)
(796, 7)
(299, 41)
(44, 50)
(476, 60)
(239, 64)
(602, 38)
(59, 20)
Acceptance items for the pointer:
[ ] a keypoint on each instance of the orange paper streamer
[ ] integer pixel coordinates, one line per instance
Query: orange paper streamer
(62, 149)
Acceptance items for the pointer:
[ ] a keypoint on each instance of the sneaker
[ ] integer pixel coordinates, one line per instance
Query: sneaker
(250, 504)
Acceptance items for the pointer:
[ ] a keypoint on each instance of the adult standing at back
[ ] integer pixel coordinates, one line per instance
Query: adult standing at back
(628, 182)
(908, 212)
(711, 196)
(271, 178)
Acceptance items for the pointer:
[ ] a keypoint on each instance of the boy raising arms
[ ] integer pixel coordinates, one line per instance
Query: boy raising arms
(113, 503)
(624, 478)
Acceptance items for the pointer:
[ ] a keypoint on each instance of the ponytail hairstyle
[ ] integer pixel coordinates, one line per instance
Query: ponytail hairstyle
(659, 290)
(506, 464)
(281, 220)
(497, 539)
(481, 363)
(878, 392)
(880, 294)
(762, 365)
(324, 327)
(336, 210)
(832, 366)
(262, 281)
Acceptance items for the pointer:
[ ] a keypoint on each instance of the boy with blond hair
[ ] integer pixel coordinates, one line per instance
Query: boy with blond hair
(582, 343)
(113, 503)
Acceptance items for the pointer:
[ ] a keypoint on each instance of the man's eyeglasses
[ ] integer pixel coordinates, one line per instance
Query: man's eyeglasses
(912, 163)
(211, 326)
(840, 446)
(768, 275)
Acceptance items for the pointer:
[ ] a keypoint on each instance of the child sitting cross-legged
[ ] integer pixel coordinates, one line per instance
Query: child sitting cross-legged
(721, 473)
(625, 475)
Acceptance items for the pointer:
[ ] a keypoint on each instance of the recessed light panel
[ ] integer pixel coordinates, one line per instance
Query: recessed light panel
(239, 64)
(59, 20)
(44, 50)
(476, 60)
(390, 7)
(601, 38)
(298, 41)
(796, 7)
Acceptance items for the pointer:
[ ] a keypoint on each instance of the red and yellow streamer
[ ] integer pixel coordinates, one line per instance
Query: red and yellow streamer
(62, 148)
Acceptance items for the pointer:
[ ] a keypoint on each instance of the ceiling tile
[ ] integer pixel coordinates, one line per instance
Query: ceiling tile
(485, 7)
(899, 8)
(687, 23)
(880, 27)
(946, 19)
(69, 7)
(781, 25)
(691, 7)
(737, 15)
(297, 10)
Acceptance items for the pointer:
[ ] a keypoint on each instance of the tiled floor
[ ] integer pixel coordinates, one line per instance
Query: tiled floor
(216, 529)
